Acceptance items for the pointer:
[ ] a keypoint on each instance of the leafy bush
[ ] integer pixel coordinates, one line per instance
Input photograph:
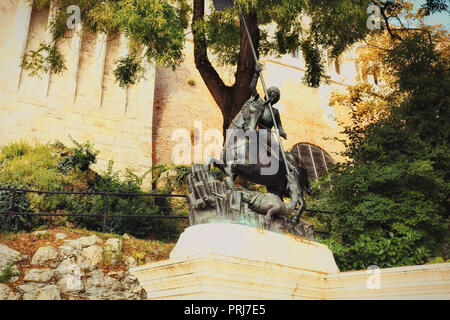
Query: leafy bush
(80, 157)
(55, 167)
(121, 205)
(21, 204)
(390, 198)
(15, 149)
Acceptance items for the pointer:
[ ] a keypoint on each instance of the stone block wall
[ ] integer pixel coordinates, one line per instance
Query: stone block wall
(84, 101)
(305, 113)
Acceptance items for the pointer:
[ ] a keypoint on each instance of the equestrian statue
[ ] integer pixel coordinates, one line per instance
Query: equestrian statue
(250, 141)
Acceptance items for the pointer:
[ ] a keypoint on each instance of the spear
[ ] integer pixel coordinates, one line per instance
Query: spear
(265, 90)
(225, 4)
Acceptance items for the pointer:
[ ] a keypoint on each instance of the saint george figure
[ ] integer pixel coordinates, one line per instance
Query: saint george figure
(255, 112)
(249, 141)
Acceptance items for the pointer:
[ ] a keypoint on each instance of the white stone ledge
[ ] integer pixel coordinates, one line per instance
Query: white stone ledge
(204, 266)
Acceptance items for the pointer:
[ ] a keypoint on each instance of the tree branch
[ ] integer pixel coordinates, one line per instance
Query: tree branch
(388, 27)
(209, 75)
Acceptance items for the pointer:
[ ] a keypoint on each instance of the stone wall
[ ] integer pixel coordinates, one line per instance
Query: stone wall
(84, 102)
(135, 127)
(305, 113)
(71, 270)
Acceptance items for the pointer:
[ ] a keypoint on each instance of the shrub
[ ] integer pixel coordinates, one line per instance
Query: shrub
(55, 167)
(121, 205)
(21, 204)
(15, 149)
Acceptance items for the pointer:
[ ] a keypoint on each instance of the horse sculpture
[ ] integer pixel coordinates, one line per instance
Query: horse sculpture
(276, 184)
(249, 141)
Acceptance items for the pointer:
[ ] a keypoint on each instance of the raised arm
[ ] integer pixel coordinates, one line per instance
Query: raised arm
(254, 81)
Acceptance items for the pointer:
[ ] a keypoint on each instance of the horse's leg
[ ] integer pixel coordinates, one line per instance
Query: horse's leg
(296, 219)
(270, 213)
(231, 175)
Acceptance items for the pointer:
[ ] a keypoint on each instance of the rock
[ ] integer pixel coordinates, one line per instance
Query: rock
(8, 255)
(148, 259)
(7, 294)
(76, 244)
(40, 275)
(15, 274)
(89, 241)
(130, 262)
(68, 266)
(115, 244)
(29, 287)
(71, 284)
(49, 292)
(60, 236)
(40, 233)
(91, 256)
(45, 255)
(66, 251)
(112, 284)
(116, 274)
(95, 278)
(94, 285)
(130, 279)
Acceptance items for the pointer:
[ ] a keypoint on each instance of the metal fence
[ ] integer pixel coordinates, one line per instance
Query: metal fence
(160, 200)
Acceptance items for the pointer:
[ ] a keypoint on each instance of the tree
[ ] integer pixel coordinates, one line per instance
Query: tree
(390, 198)
(156, 30)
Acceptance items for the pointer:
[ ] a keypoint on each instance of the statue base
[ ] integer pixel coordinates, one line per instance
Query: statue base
(235, 262)
(232, 261)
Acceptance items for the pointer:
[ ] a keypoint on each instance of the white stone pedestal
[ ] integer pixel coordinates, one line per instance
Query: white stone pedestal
(231, 261)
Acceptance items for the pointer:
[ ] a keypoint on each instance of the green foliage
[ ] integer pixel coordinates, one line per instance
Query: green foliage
(55, 167)
(155, 29)
(157, 170)
(390, 198)
(128, 71)
(121, 205)
(337, 24)
(7, 273)
(43, 59)
(15, 149)
(182, 173)
(314, 62)
(79, 157)
(21, 204)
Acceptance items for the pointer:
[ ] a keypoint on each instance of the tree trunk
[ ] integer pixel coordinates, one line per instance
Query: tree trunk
(228, 99)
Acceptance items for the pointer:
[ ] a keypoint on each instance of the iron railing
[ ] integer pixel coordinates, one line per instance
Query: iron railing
(12, 212)
(159, 201)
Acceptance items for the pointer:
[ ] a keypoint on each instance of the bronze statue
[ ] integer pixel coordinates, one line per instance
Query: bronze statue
(255, 117)
(250, 129)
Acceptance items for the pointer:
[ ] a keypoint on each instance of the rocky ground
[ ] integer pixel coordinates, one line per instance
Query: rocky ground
(73, 264)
